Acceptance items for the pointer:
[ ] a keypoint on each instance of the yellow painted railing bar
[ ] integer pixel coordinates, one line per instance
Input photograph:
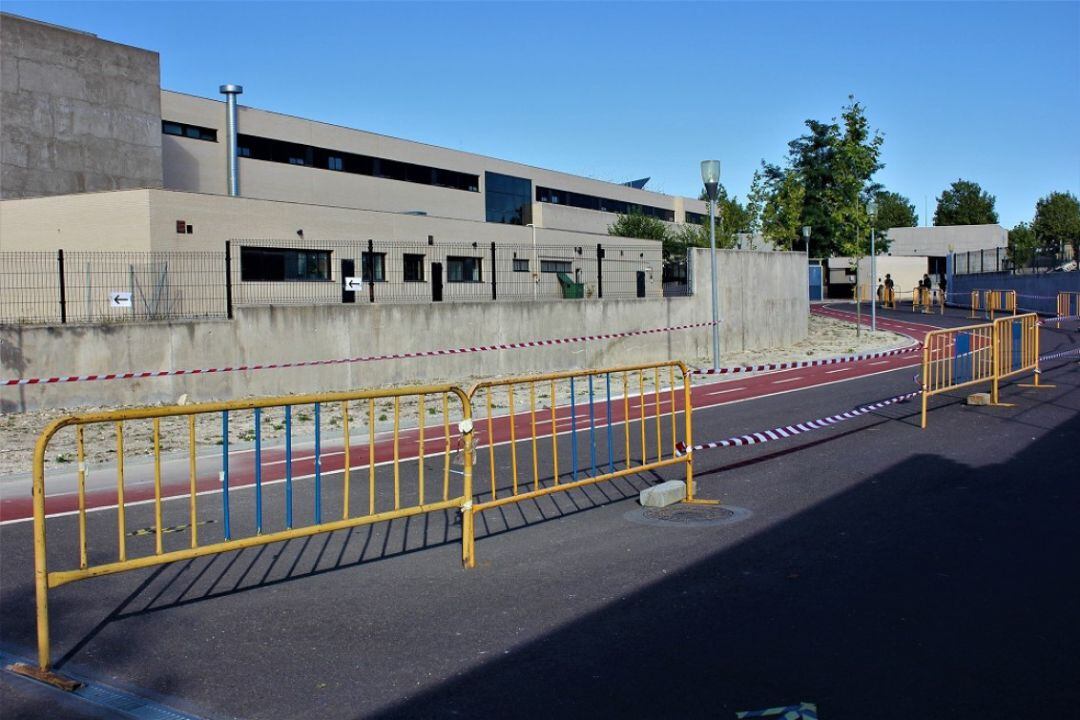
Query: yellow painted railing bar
(671, 385)
(446, 451)
(348, 463)
(513, 440)
(397, 454)
(688, 430)
(565, 375)
(532, 423)
(80, 454)
(192, 475)
(157, 486)
(641, 408)
(626, 414)
(478, 507)
(491, 443)
(371, 456)
(63, 577)
(121, 524)
(656, 398)
(554, 435)
(420, 450)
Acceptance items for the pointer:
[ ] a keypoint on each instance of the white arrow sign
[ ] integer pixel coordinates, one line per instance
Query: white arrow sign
(119, 299)
(354, 283)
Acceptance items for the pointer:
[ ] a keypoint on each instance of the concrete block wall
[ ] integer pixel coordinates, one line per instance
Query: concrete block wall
(79, 114)
(763, 304)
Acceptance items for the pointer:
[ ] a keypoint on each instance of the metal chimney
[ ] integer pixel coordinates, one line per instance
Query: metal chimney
(230, 92)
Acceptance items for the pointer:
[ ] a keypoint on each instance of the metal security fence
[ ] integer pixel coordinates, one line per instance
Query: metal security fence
(993, 260)
(275, 271)
(103, 287)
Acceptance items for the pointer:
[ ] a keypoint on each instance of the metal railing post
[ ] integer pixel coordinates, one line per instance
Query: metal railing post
(494, 286)
(371, 269)
(600, 271)
(63, 288)
(228, 280)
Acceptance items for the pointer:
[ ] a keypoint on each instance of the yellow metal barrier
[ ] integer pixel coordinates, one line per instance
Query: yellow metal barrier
(888, 298)
(955, 358)
(589, 406)
(1016, 349)
(921, 298)
(1068, 304)
(305, 474)
(1004, 300)
(976, 303)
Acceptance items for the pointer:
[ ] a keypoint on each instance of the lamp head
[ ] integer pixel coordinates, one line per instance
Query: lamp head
(710, 176)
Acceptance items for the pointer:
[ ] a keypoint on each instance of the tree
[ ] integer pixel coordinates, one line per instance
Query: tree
(894, 210)
(781, 217)
(965, 203)
(637, 225)
(1057, 222)
(1022, 244)
(834, 162)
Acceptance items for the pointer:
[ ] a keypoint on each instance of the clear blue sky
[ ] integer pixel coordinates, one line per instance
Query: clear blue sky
(984, 91)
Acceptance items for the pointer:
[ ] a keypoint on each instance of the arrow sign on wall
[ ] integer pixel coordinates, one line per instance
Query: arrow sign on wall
(119, 299)
(354, 283)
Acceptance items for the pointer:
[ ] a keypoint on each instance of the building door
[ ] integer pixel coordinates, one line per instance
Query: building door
(815, 282)
(436, 282)
(348, 268)
(641, 283)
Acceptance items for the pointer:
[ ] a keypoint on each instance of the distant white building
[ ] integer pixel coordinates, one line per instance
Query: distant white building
(940, 241)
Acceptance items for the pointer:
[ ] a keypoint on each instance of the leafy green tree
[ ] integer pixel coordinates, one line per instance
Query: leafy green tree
(965, 203)
(637, 225)
(781, 217)
(1057, 222)
(894, 210)
(834, 162)
(1022, 244)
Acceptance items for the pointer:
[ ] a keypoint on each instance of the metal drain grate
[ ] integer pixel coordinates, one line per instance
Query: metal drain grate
(680, 515)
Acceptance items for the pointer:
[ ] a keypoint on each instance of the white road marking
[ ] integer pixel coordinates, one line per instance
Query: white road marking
(777, 382)
(838, 370)
(723, 392)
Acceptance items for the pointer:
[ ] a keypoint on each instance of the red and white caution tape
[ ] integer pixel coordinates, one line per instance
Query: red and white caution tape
(338, 361)
(1063, 353)
(799, 428)
(836, 360)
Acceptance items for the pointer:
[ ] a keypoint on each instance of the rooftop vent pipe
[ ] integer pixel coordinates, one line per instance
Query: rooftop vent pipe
(230, 92)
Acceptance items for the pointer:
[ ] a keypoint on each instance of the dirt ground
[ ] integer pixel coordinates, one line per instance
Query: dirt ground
(18, 431)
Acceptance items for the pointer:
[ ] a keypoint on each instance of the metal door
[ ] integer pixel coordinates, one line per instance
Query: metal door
(815, 282)
(436, 282)
(348, 267)
(641, 283)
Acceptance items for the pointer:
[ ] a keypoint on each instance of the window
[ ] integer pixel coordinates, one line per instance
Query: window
(378, 260)
(696, 218)
(508, 199)
(521, 265)
(591, 202)
(194, 132)
(463, 269)
(271, 150)
(283, 264)
(413, 266)
(556, 266)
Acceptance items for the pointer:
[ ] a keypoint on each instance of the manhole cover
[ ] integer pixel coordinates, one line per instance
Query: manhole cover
(680, 515)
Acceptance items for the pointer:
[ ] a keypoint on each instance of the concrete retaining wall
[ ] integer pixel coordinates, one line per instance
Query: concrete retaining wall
(763, 303)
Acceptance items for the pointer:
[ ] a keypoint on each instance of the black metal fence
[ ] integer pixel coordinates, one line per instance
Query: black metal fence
(103, 287)
(95, 287)
(994, 260)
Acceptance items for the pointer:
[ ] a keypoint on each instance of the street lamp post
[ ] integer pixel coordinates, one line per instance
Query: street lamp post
(806, 244)
(710, 176)
(871, 210)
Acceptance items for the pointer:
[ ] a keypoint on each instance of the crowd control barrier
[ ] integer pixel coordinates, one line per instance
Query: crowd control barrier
(1000, 300)
(955, 358)
(1068, 304)
(1016, 349)
(921, 298)
(958, 357)
(588, 406)
(283, 507)
(888, 298)
(976, 303)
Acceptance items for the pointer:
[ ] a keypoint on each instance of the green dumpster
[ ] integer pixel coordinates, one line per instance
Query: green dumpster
(570, 289)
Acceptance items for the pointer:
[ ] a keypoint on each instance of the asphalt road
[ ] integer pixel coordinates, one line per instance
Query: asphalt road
(881, 571)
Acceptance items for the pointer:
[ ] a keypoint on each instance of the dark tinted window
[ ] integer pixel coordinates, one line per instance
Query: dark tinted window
(195, 132)
(592, 202)
(463, 269)
(260, 148)
(413, 267)
(283, 264)
(521, 265)
(508, 199)
(373, 261)
(556, 266)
